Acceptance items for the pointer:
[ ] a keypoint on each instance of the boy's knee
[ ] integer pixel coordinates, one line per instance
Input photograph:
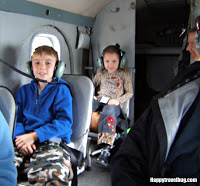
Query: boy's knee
(52, 175)
(50, 167)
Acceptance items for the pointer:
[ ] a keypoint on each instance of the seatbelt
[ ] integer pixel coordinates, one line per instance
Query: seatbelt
(76, 159)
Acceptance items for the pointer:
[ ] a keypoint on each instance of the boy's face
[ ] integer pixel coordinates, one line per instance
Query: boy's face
(43, 66)
(111, 62)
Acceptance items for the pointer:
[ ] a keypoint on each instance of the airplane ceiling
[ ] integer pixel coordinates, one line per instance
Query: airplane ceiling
(89, 8)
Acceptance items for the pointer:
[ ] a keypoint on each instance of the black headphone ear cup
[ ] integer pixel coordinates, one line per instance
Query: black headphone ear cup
(29, 69)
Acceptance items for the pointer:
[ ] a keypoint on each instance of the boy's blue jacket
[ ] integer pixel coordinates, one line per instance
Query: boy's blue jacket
(49, 115)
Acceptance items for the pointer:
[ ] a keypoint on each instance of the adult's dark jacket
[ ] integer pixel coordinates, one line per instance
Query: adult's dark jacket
(144, 155)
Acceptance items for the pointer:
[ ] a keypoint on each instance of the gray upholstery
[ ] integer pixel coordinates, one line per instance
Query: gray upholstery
(126, 105)
(8, 106)
(82, 91)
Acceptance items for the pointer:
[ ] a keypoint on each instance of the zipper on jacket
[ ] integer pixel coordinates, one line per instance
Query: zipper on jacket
(38, 94)
(36, 102)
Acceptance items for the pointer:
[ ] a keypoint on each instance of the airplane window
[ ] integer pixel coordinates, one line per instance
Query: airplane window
(45, 39)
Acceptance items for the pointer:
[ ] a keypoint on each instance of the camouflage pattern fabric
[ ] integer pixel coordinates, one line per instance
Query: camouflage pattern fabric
(49, 165)
(18, 158)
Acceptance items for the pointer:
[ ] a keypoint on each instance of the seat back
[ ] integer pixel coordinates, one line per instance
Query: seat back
(126, 105)
(8, 106)
(82, 91)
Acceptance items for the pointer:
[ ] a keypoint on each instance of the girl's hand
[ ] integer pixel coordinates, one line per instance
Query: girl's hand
(113, 102)
(95, 97)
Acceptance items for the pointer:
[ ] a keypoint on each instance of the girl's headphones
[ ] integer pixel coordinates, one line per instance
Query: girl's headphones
(58, 71)
(120, 52)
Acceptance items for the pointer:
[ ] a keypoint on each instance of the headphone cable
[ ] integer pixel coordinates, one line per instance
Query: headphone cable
(23, 73)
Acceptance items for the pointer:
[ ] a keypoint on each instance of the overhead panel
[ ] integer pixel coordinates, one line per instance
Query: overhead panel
(89, 8)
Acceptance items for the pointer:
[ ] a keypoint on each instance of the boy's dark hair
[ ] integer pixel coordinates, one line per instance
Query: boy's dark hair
(47, 49)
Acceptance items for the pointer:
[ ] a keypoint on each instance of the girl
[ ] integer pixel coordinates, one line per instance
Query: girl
(113, 87)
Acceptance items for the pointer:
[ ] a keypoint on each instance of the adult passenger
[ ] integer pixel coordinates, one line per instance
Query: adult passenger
(165, 140)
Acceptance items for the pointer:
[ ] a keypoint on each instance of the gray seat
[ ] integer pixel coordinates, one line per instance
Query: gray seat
(8, 106)
(126, 105)
(82, 91)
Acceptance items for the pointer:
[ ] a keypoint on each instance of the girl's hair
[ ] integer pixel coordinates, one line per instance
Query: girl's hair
(113, 49)
(47, 49)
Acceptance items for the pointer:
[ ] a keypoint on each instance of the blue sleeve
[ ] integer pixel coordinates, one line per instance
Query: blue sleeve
(19, 127)
(8, 172)
(63, 118)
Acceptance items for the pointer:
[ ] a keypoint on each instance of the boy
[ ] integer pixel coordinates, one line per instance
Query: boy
(44, 118)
